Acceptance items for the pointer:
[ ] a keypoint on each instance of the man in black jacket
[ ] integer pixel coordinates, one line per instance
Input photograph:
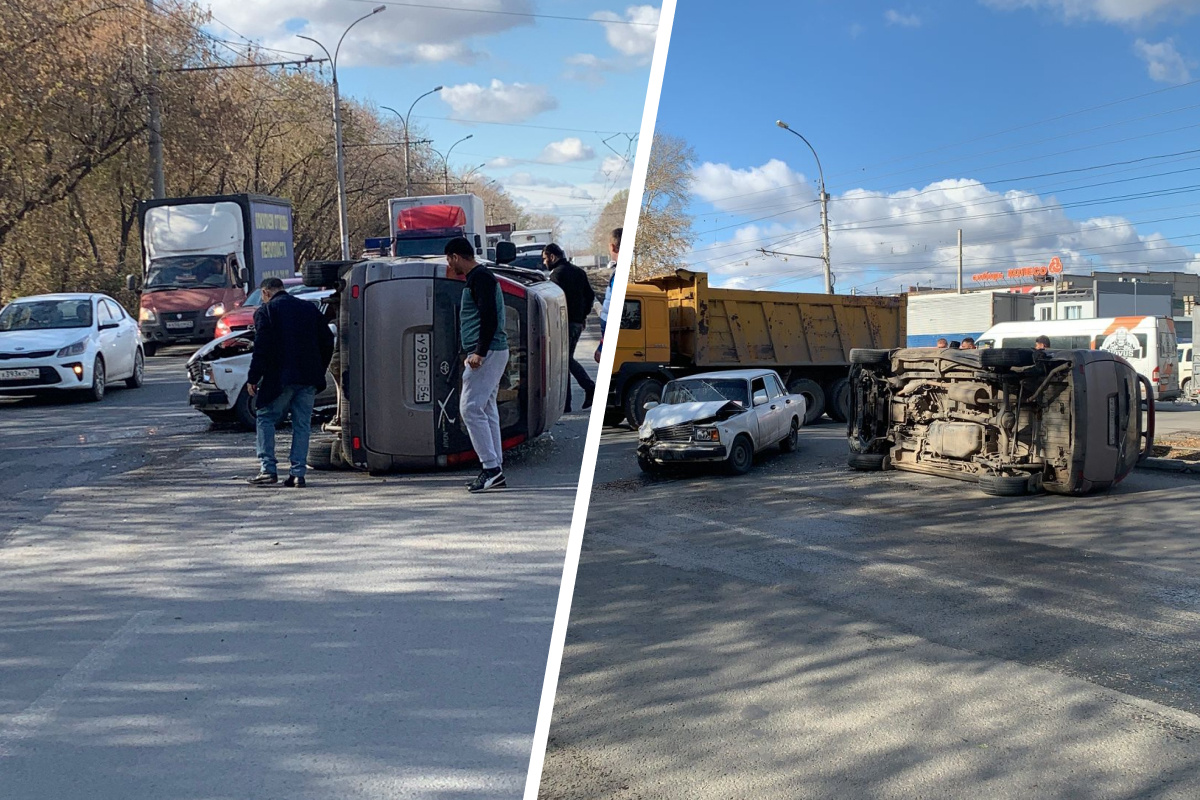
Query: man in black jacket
(292, 350)
(580, 299)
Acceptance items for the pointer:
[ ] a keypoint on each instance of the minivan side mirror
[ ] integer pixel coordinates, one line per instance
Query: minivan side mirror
(506, 252)
(244, 276)
(130, 283)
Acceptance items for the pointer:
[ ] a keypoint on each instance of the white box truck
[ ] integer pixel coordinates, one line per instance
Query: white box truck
(421, 226)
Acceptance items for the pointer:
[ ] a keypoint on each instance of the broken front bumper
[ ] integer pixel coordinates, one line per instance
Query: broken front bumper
(682, 451)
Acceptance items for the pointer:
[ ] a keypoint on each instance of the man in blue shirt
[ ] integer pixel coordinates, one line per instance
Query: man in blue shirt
(614, 249)
(483, 337)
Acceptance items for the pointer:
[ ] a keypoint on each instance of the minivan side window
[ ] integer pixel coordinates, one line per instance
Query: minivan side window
(631, 316)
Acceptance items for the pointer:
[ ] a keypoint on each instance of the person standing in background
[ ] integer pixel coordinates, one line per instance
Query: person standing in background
(614, 250)
(580, 299)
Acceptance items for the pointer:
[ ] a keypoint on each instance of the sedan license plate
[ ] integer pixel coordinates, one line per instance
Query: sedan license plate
(421, 357)
(178, 325)
(19, 374)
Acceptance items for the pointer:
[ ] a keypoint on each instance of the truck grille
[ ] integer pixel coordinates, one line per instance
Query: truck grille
(674, 433)
(33, 354)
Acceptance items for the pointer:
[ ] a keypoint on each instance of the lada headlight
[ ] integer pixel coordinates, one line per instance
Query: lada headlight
(705, 434)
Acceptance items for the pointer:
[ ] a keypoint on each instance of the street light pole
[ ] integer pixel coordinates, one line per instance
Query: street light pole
(446, 161)
(824, 209)
(467, 178)
(339, 152)
(404, 118)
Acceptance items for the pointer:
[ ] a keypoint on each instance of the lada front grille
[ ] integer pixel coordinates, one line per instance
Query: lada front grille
(674, 433)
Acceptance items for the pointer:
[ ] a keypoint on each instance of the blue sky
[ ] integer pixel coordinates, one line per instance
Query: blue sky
(930, 117)
(562, 86)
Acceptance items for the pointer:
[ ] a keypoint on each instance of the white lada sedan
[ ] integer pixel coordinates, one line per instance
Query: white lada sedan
(68, 342)
(720, 417)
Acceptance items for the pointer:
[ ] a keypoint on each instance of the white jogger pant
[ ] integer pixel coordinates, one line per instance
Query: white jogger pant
(478, 406)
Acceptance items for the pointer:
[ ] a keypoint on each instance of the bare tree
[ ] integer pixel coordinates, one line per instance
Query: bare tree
(664, 226)
(613, 216)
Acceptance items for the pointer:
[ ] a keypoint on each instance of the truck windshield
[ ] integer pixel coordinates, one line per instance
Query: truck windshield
(432, 246)
(705, 391)
(187, 272)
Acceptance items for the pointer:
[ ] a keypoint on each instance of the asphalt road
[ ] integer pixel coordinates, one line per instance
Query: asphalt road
(806, 631)
(167, 631)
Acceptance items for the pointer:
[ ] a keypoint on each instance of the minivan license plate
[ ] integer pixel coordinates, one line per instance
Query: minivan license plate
(179, 325)
(421, 358)
(19, 374)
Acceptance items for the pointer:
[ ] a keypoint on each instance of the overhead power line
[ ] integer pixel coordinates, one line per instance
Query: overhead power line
(497, 12)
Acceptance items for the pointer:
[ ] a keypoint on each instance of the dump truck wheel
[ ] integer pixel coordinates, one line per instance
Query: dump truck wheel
(867, 462)
(1004, 485)
(641, 392)
(863, 355)
(814, 398)
(1006, 357)
(838, 405)
(741, 456)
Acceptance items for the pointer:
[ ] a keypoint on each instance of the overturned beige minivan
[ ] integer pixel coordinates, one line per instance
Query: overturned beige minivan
(1012, 419)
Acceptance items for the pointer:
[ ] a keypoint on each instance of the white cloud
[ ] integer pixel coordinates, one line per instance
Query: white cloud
(894, 17)
(1163, 61)
(498, 102)
(766, 189)
(567, 151)
(908, 237)
(636, 39)
(615, 168)
(395, 36)
(529, 179)
(856, 30)
(1124, 12)
(503, 162)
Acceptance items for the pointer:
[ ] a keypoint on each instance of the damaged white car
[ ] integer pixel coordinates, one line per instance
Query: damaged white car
(218, 373)
(720, 417)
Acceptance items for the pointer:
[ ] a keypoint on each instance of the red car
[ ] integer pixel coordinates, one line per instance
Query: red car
(242, 315)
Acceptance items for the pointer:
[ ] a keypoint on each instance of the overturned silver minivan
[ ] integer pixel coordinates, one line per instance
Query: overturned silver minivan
(1014, 420)
(399, 362)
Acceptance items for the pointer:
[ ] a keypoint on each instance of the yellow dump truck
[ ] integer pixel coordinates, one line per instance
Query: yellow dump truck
(678, 325)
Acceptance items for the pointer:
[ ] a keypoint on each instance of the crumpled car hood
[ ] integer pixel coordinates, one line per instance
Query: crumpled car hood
(663, 416)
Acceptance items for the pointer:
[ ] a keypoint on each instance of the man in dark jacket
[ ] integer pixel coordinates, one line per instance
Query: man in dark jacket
(580, 299)
(292, 349)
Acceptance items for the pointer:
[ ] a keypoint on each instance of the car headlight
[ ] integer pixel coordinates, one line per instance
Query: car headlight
(148, 315)
(74, 349)
(702, 434)
(215, 310)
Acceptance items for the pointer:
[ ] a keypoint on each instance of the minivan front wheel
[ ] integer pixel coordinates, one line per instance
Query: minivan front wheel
(1004, 485)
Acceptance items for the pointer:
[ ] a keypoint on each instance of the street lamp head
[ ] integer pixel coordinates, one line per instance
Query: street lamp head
(438, 88)
(782, 124)
(377, 9)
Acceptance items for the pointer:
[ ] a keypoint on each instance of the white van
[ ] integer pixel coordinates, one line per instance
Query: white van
(1148, 343)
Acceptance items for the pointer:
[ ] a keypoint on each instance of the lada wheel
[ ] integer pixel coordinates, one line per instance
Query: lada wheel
(741, 456)
(792, 440)
(649, 465)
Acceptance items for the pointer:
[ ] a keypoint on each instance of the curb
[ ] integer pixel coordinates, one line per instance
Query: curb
(1171, 465)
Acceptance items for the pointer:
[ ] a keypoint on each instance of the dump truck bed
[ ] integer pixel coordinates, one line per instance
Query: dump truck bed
(739, 328)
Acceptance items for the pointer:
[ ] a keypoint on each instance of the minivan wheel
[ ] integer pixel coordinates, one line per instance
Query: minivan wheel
(864, 355)
(320, 452)
(867, 462)
(741, 456)
(1006, 357)
(1004, 485)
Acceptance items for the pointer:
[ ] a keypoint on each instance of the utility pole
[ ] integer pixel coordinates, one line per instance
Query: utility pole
(824, 209)
(407, 143)
(339, 151)
(157, 181)
(960, 260)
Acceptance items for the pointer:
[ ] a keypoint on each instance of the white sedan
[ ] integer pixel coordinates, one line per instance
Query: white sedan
(72, 342)
(723, 417)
